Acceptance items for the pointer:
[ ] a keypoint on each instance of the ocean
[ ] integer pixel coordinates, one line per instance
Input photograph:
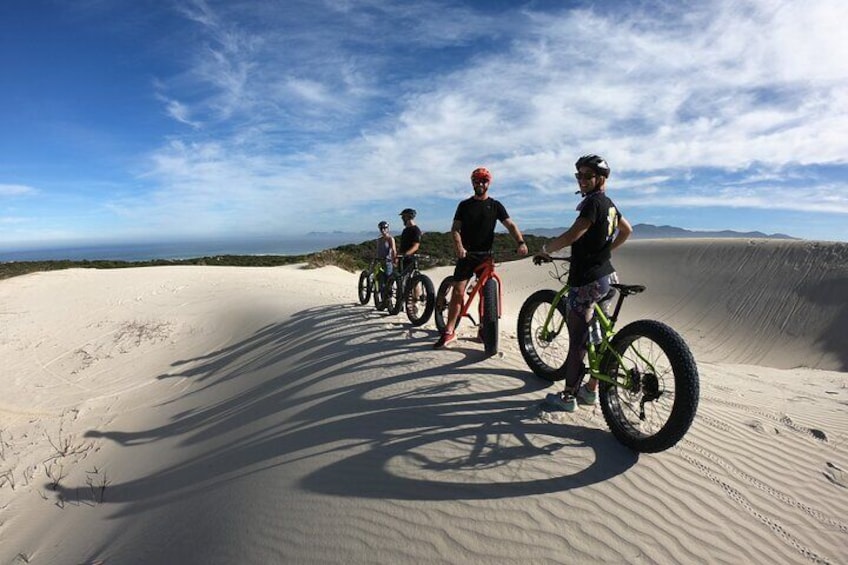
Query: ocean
(184, 249)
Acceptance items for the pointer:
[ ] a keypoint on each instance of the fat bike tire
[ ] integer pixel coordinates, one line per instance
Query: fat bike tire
(489, 320)
(419, 299)
(394, 302)
(364, 288)
(442, 303)
(543, 351)
(654, 402)
(378, 292)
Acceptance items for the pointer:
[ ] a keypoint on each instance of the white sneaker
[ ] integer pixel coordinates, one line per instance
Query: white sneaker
(586, 396)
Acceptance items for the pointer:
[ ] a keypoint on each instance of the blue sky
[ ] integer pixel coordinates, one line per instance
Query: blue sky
(149, 120)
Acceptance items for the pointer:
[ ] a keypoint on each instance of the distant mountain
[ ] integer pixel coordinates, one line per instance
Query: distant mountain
(648, 231)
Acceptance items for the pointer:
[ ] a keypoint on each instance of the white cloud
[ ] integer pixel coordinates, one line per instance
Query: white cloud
(10, 190)
(307, 123)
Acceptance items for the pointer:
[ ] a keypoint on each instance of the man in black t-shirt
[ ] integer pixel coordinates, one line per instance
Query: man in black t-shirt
(473, 233)
(410, 238)
(598, 229)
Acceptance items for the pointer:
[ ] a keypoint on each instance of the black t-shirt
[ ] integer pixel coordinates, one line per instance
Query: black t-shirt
(590, 255)
(478, 219)
(410, 236)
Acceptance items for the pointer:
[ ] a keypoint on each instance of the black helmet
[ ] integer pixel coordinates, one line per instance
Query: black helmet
(594, 162)
(383, 226)
(408, 212)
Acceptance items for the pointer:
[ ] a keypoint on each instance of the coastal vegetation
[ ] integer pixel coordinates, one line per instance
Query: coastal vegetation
(437, 247)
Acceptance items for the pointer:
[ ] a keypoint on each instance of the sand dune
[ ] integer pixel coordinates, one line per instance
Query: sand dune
(250, 415)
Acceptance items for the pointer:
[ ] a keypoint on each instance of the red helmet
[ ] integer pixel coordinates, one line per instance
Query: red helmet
(481, 173)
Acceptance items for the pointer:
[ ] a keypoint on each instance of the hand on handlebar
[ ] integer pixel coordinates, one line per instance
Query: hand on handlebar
(540, 258)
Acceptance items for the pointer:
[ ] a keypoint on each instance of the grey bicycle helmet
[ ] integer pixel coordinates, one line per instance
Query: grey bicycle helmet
(408, 212)
(383, 226)
(594, 162)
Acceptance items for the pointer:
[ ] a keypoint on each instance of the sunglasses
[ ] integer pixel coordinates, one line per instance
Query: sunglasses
(581, 176)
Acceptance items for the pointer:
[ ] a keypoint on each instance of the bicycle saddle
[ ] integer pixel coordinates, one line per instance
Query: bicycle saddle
(628, 289)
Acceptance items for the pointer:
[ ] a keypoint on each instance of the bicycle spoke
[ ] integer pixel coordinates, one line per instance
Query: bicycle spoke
(653, 368)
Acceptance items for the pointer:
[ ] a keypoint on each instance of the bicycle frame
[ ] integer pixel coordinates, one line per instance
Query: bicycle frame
(595, 353)
(378, 268)
(484, 272)
(406, 269)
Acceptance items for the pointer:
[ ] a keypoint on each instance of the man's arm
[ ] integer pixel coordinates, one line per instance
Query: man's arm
(413, 249)
(516, 235)
(457, 239)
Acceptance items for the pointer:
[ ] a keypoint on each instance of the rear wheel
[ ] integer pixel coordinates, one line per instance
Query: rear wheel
(443, 298)
(543, 346)
(364, 287)
(656, 396)
(419, 299)
(489, 318)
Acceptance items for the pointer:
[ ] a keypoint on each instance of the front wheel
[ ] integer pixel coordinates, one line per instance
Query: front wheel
(364, 288)
(443, 298)
(394, 300)
(419, 299)
(489, 317)
(379, 292)
(543, 335)
(654, 400)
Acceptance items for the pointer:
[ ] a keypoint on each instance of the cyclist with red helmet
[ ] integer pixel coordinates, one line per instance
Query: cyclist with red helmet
(473, 233)
(598, 230)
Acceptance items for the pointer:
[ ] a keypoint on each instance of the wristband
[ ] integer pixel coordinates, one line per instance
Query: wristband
(520, 243)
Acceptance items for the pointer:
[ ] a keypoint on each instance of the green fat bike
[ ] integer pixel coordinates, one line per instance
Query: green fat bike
(373, 283)
(648, 377)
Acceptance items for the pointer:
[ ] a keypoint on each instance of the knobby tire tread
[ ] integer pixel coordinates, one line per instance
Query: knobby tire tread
(542, 299)
(686, 387)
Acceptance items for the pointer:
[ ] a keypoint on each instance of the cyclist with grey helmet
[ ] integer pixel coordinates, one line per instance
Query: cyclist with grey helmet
(386, 251)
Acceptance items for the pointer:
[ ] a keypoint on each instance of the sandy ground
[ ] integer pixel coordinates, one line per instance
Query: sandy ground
(260, 415)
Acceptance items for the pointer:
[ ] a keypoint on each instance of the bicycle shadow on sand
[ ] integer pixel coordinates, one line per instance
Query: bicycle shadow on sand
(334, 381)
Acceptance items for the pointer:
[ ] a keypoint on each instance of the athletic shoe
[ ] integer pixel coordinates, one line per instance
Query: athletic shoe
(557, 402)
(586, 396)
(444, 340)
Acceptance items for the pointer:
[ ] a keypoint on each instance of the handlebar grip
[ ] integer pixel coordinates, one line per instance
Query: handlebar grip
(539, 259)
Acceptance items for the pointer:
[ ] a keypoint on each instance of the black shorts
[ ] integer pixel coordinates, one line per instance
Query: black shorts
(464, 269)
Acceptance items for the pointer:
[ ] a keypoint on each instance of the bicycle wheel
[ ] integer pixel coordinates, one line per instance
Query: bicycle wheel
(419, 299)
(654, 400)
(489, 319)
(544, 348)
(364, 287)
(379, 294)
(393, 294)
(443, 298)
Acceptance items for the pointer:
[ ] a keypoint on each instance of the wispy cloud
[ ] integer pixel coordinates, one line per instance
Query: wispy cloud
(297, 113)
(16, 190)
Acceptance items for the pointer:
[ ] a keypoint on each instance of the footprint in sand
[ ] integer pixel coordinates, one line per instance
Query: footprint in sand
(756, 425)
(836, 475)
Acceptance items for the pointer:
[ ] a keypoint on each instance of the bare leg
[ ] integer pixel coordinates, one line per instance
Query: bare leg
(455, 306)
(578, 332)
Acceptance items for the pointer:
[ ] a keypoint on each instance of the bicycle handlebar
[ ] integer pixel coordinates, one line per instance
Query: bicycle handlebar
(540, 258)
